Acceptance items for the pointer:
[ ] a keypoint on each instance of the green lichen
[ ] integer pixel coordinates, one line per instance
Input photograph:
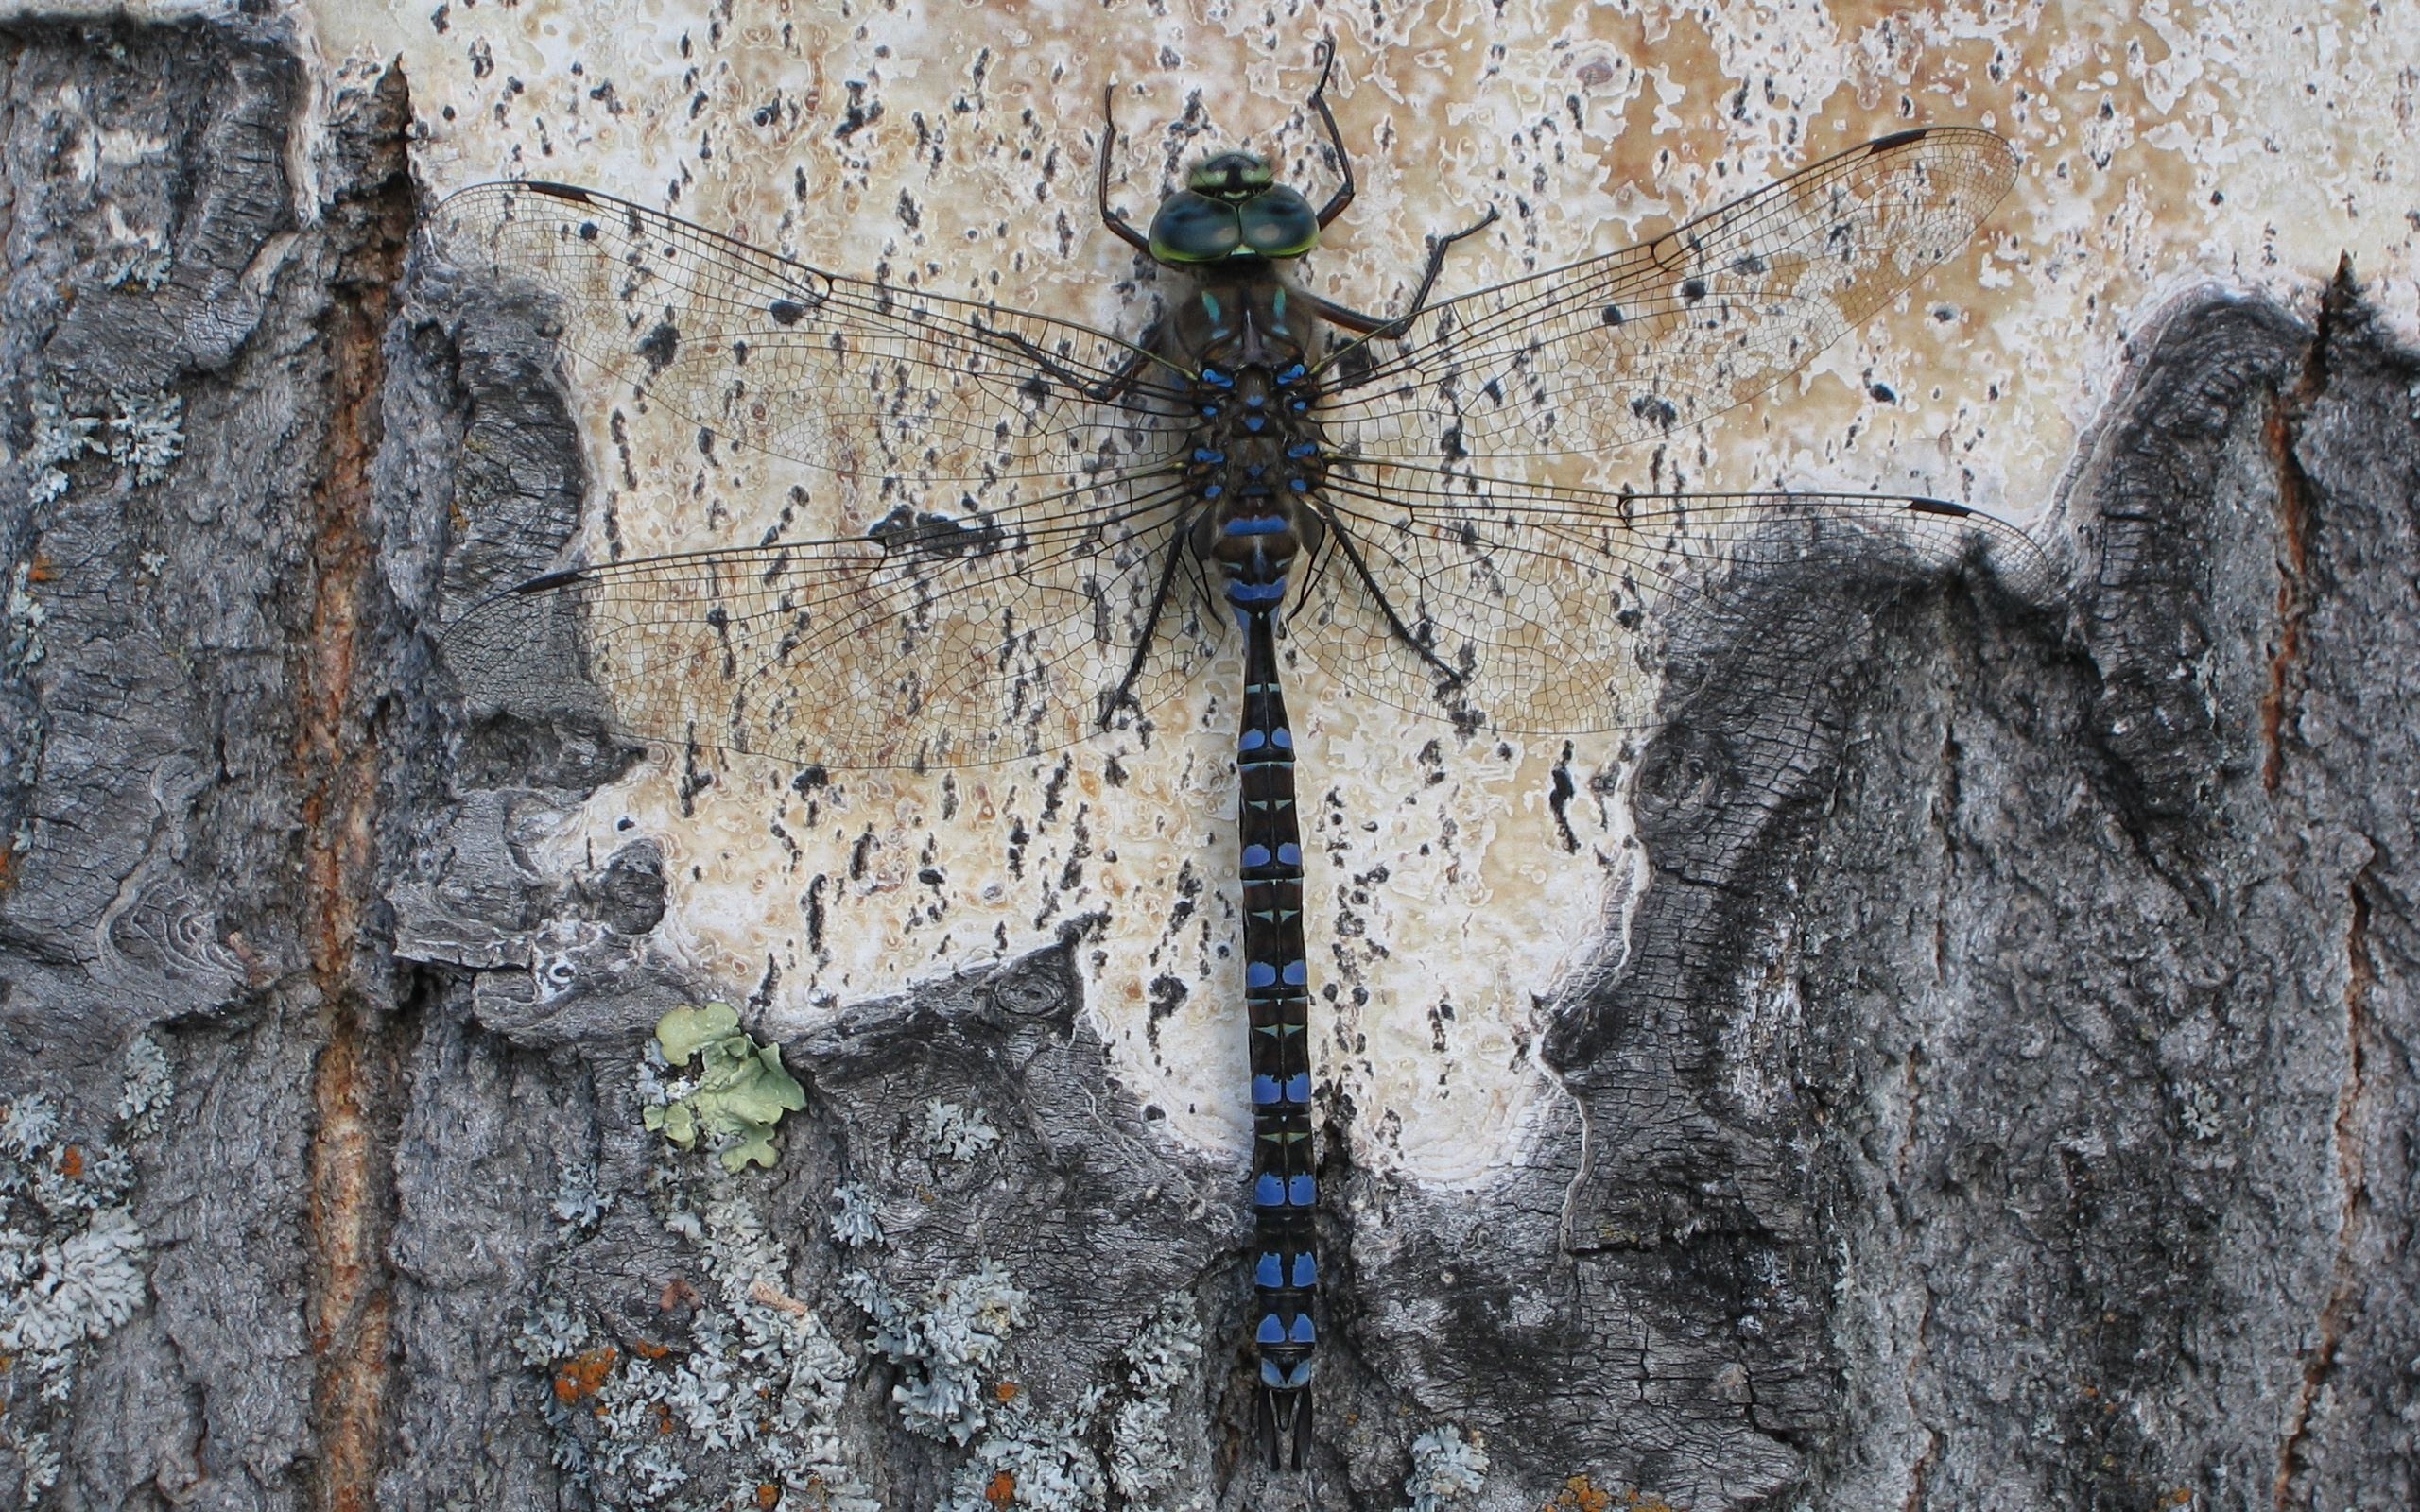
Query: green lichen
(738, 1093)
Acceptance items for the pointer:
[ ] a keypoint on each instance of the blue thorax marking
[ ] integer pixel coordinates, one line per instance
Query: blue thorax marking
(1255, 524)
(1208, 453)
(1291, 374)
(1302, 449)
(1217, 379)
(1244, 593)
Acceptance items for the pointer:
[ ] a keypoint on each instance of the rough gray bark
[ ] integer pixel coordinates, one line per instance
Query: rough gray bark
(2004, 1102)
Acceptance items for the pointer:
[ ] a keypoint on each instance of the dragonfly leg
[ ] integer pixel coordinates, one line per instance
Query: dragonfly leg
(1342, 540)
(1123, 694)
(1115, 219)
(1119, 384)
(1386, 328)
(1343, 194)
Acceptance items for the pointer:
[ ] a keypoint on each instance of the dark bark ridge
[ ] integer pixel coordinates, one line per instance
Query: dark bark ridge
(2003, 1099)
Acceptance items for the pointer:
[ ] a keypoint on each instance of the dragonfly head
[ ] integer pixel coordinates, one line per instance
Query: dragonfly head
(1230, 209)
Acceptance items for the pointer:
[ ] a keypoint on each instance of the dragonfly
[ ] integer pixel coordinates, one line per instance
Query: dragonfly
(1050, 530)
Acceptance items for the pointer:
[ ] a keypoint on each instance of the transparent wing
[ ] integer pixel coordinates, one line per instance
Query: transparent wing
(1532, 607)
(935, 641)
(883, 386)
(1632, 346)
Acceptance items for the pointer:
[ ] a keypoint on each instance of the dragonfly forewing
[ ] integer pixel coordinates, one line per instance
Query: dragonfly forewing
(1631, 347)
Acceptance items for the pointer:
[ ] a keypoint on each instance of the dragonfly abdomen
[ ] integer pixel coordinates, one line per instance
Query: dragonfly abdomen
(1277, 1000)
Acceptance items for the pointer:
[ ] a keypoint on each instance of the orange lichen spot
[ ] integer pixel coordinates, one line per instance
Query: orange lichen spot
(71, 1162)
(664, 1421)
(1001, 1489)
(2181, 1496)
(768, 1495)
(39, 570)
(676, 1292)
(1580, 1494)
(1007, 1391)
(1643, 1502)
(583, 1374)
(650, 1350)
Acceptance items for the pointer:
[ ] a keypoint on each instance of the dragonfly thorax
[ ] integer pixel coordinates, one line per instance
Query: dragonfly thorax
(1257, 465)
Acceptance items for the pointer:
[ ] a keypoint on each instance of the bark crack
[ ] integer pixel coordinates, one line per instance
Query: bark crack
(358, 1074)
(2352, 1105)
(2282, 432)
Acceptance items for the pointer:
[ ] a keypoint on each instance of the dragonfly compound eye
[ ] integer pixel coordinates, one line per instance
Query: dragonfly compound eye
(1192, 228)
(1279, 223)
(1196, 227)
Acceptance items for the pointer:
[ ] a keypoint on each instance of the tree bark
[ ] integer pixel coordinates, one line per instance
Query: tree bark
(2004, 1099)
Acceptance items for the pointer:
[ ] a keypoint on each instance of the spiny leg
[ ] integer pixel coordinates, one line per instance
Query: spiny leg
(1114, 220)
(1382, 328)
(1343, 194)
(1100, 391)
(1342, 540)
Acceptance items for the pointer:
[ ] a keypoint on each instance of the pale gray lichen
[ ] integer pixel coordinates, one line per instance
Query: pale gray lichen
(1047, 1462)
(139, 266)
(944, 1345)
(855, 1220)
(147, 433)
(1446, 1470)
(149, 1088)
(953, 1133)
(27, 616)
(71, 1269)
(2197, 1109)
(739, 1405)
(60, 436)
(1159, 1361)
(579, 1205)
(1033, 1460)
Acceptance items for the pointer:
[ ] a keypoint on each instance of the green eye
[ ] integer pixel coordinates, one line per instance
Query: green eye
(1279, 223)
(1192, 229)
